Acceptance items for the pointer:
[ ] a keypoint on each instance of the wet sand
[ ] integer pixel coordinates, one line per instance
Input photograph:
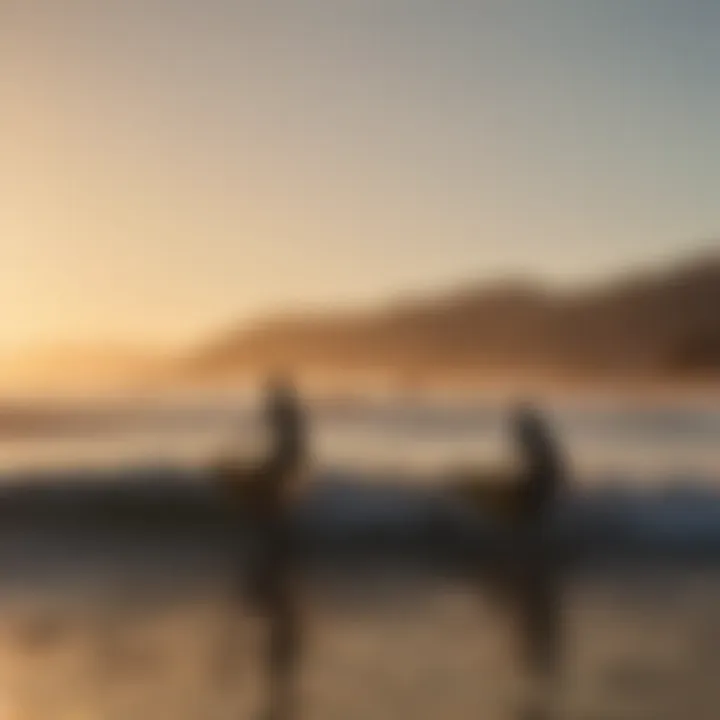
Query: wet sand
(121, 633)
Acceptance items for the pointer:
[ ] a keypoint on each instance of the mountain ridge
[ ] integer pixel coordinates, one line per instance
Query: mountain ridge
(663, 322)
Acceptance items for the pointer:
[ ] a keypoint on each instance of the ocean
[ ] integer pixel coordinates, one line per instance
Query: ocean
(119, 577)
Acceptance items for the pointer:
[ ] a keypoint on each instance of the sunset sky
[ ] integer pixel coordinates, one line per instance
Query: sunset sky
(171, 166)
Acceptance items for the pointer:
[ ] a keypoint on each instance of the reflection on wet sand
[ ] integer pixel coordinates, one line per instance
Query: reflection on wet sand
(398, 647)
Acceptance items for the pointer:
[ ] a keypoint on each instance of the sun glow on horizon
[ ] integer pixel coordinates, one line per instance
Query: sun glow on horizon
(168, 172)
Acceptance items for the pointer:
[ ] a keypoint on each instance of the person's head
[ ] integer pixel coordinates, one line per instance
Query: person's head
(282, 409)
(529, 426)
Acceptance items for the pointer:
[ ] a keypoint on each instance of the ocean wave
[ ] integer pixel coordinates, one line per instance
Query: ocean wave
(343, 508)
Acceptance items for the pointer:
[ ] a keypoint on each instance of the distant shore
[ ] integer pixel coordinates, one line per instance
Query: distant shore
(377, 385)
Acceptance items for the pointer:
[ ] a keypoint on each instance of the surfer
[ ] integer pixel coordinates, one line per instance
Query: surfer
(272, 572)
(522, 502)
(541, 472)
(259, 497)
(277, 483)
(541, 480)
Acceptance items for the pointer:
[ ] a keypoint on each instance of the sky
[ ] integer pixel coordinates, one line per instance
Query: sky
(172, 167)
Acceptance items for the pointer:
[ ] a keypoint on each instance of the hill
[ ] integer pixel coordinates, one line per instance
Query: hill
(664, 323)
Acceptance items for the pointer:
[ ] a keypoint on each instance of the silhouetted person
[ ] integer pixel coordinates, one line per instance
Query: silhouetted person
(260, 499)
(542, 473)
(542, 481)
(276, 482)
(274, 581)
(286, 419)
